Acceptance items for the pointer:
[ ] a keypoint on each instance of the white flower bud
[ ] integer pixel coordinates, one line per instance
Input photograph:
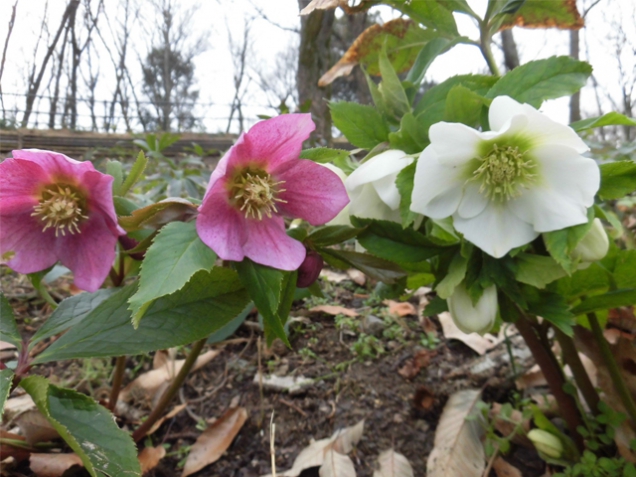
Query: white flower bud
(546, 443)
(471, 318)
(594, 245)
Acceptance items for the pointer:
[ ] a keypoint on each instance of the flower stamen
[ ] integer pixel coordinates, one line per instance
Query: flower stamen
(60, 209)
(504, 173)
(256, 194)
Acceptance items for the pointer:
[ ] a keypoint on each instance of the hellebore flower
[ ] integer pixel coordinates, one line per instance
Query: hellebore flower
(546, 443)
(594, 245)
(343, 217)
(471, 318)
(506, 186)
(259, 181)
(309, 270)
(372, 188)
(55, 208)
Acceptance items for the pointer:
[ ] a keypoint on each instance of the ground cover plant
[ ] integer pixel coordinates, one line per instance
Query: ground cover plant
(466, 201)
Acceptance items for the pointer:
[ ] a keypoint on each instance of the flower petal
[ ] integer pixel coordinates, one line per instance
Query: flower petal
(437, 188)
(22, 234)
(90, 253)
(312, 192)
(220, 226)
(473, 202)
(268, 244)
(58, 166)
(378, 167)
(20, 178)
(469, 318)
(496, 231)
(454, 143)
(367, 204)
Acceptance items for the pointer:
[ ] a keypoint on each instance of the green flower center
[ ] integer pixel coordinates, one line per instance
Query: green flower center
(61, 209)
(255, 193)
(504, 173)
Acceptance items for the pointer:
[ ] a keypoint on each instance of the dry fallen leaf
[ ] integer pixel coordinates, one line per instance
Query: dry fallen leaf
(175, 410)
(393, 464)
(505, 469)
(17, 405)
(357, 276)
(533, 378)
(400, 308)
(458, 451)
(412, 367)
(344, 440)
(35, 427)
(53, 465)
(481, 344)
(423, 399)
(215, 440)
(334, 310)
(321, 5)
(333, 277)
(149, 457)
(336, 465)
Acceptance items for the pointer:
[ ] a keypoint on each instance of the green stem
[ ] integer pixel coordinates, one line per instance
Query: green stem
(118, 378)
(44, 293)
(486, 50)
(612, 367)
(167, 396)
(583, 381)
(555, 378)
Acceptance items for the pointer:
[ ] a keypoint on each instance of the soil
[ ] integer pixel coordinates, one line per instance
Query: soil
(399, 413)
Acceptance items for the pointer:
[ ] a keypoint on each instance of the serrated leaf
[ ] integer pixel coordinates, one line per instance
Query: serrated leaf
(204, 305)
(426, 56)
(6, 379)
(613, 299)
(135, 174)
(617, 180)
(434, 14)
(374, 267)
(610, 119)
(88, 428)
(537, 270)
(561, 14)
(561, 243)
(157, 215)
(362, 125)
(539, 80)
(114, 169)
(324, 154)
(230, 328)
(391, 88)
(463, 106)
(8, 328)
(331, 235)
(175, 255)
(433, 101)
(551, 307)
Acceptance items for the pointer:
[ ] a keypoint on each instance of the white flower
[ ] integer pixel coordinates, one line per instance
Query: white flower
(506, 186)
(471, 318)
(343, 216)
(546, 443)
(594, 245)
(372, 188)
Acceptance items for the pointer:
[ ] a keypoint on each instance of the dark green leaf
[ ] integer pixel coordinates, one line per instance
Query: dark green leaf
(613, 299)
(124, 206)
(625, 269)
(229, 329)
(426, 56)
(617, 179)
(374, 267)
(551, 307)
(561, 243)
(70, 312)
(539, 80)
(332, 235)
(362, 125)
(175, 255)
(204, 305)
(6, 379)
(324, 154)
(8, 327)
(135, 173)
(610, 119)
(434, 14)
(463, 106)
(404, 184)
(436, 306)
(88, 428)
(591, 280)
(484, 271)
(287, 295)
(537, 270)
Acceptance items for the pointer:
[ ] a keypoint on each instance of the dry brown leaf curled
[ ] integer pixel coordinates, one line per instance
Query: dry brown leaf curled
(53, 465)
(393, 464)
(149, 457)
(337, 465)
(334, 310)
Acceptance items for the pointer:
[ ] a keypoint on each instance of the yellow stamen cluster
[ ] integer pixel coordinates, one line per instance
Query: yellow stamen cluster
(503, 173)
(60, 209)
(255, 194)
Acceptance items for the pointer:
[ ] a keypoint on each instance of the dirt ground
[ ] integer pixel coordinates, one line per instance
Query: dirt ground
(399, 413)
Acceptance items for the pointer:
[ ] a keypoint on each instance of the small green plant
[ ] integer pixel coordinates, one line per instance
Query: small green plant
(367, 347)
(429, 340)
(593, 466)
(347, 323)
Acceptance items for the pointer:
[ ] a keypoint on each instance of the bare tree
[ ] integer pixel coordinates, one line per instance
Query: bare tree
(509, 48)
(277, 80)
(4, 52)
(239, 51)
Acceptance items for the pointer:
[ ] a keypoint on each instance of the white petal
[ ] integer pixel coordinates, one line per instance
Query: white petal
(470, 318)
(502, 110)
(437, 189)
(388, 191)
(473, 202)
(366, 203)
(496, 230)
(548, 210)
(389, 162)
(454, 143)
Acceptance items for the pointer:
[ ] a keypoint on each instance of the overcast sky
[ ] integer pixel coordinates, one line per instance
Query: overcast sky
(214, 67)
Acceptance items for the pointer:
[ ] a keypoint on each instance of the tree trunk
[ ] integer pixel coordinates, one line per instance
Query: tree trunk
(511, 56)
(575, 100)
(313, 60)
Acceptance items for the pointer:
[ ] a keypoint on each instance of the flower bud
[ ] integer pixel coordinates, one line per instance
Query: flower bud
(594, 244)
(128, 243)
(471, 318)
(309, 270)
(546, 443)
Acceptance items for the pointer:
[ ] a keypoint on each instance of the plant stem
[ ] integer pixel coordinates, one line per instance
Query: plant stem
(167, 396)
(118, 378)
(486, 50)
(573, 360)
(44, 293)
(612, 367)
(555, 378)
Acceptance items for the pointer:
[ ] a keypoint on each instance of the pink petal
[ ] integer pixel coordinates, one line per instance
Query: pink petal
(268, 244)
(312, 192)
(220, 226)
(98, 188)
(56, 165)
(90, 253)
(22, 234)
(20, 178)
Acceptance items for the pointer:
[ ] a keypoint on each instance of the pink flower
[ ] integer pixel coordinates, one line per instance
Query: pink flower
(259, 181)
(55, 208)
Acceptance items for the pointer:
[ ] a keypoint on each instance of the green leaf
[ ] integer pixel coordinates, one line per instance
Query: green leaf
(391, 88)
(362, 125)
(552, 307)
(425, 58)
(230, 328)
(404, 184)
(484, 271)
(204, 305)
(124, 206)
(542, 14)
(617, 180)
(539, 80)
(266, 286)
(6, 379)
(288, 292)
(69, 313)
(561, 243)
(175, 255)
(537, 270)
(436, 306)
(625, 269)
(433, 14)
(593, 279)
(613, 299)
(8, 327)
(610, 119)
(433, 102)
(323, 155)
(412, 137)
(135, 173)
(374, 267)
(332, 235)
(455, 275)
(114, 168)
(88, 428)
(463, 106)
(157, 215)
